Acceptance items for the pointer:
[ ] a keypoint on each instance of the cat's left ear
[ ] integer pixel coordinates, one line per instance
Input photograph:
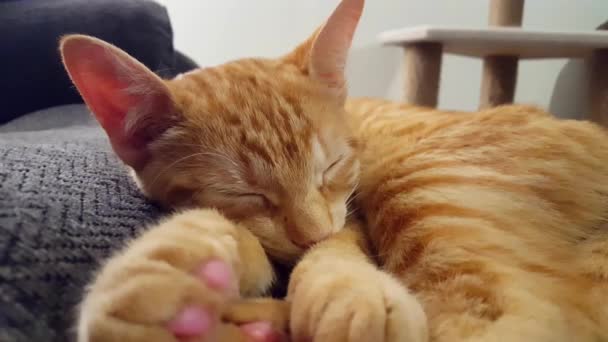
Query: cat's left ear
(132, 104)
(323, 56)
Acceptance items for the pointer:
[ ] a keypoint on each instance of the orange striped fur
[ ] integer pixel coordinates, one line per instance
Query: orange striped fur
(486, 226)
(496, 220)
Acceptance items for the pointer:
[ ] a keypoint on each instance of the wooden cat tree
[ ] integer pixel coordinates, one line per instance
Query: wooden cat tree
(501, 46)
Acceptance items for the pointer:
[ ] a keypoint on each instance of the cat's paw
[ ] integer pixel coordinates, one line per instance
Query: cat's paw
(337, 301)
(171, 284)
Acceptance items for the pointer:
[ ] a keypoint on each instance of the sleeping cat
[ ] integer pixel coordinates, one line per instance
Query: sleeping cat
(486, 226)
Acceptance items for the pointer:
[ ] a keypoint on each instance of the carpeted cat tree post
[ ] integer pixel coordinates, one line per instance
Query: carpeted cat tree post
(500, 71)
(599, 84)
(500, 46)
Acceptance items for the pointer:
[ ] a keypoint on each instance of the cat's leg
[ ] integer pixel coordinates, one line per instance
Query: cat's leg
(468, 298)
(174, 281)
(532, 321)
(337, 294)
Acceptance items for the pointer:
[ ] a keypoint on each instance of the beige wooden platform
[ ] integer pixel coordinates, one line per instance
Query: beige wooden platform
(508, 41)
(501, 45)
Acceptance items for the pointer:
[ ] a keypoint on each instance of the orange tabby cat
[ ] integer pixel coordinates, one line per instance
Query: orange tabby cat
(493, 220)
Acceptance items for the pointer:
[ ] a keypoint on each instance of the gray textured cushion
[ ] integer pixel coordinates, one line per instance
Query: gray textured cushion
(65, 203)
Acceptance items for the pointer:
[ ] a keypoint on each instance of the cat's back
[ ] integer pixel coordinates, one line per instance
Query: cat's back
(518, 160)
(516, 140)
(403, 121)
(509, 194)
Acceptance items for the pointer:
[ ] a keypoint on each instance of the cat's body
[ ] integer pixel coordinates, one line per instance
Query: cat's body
(487, 226)
(496, 220)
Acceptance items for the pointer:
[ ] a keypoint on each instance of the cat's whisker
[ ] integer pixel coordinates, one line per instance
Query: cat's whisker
(227, 158)
(352, 197)
(183, 144)
(352, 211)
(198, 154)
(168, 167)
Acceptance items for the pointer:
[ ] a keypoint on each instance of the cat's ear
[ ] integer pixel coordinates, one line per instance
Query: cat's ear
(323, 56)
(132, 104)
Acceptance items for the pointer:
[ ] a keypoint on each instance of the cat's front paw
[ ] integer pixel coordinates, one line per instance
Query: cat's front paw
(337, 301)
(172, 284)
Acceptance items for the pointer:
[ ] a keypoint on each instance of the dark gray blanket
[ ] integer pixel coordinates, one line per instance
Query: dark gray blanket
(65, 203)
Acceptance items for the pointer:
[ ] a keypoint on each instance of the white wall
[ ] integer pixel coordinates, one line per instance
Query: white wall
(214, 31)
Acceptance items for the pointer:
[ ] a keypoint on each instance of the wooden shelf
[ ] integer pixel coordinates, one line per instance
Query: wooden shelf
(509, 41)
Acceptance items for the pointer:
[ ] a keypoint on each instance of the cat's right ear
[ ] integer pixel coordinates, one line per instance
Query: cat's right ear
(132, 104)
(323, 55)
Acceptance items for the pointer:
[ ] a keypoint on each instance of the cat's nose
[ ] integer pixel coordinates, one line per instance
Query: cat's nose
(306, 227)
(304, 241)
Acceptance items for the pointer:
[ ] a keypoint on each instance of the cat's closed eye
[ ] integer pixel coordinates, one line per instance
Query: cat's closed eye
(331, 170)
(257, 199)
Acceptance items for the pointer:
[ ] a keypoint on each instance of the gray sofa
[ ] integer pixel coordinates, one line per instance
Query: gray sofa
(66, 202)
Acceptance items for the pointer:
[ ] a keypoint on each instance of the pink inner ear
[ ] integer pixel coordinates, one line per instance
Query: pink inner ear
(107, 100)
(105, 77)
(330, 49)
(94, 70)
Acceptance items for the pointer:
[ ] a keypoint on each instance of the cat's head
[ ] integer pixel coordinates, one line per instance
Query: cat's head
(266, 141)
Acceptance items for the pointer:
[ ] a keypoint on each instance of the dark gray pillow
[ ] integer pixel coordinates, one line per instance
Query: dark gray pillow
(32, 75)
(65, 203)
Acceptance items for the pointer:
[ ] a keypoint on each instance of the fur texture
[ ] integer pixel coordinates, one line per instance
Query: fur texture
(486, 226)
(261, 140)
(495, 220)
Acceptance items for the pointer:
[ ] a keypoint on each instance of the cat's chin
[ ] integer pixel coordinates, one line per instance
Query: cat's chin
(286, 256)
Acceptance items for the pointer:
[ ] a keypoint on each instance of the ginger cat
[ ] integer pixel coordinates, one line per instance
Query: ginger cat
(486, 226)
